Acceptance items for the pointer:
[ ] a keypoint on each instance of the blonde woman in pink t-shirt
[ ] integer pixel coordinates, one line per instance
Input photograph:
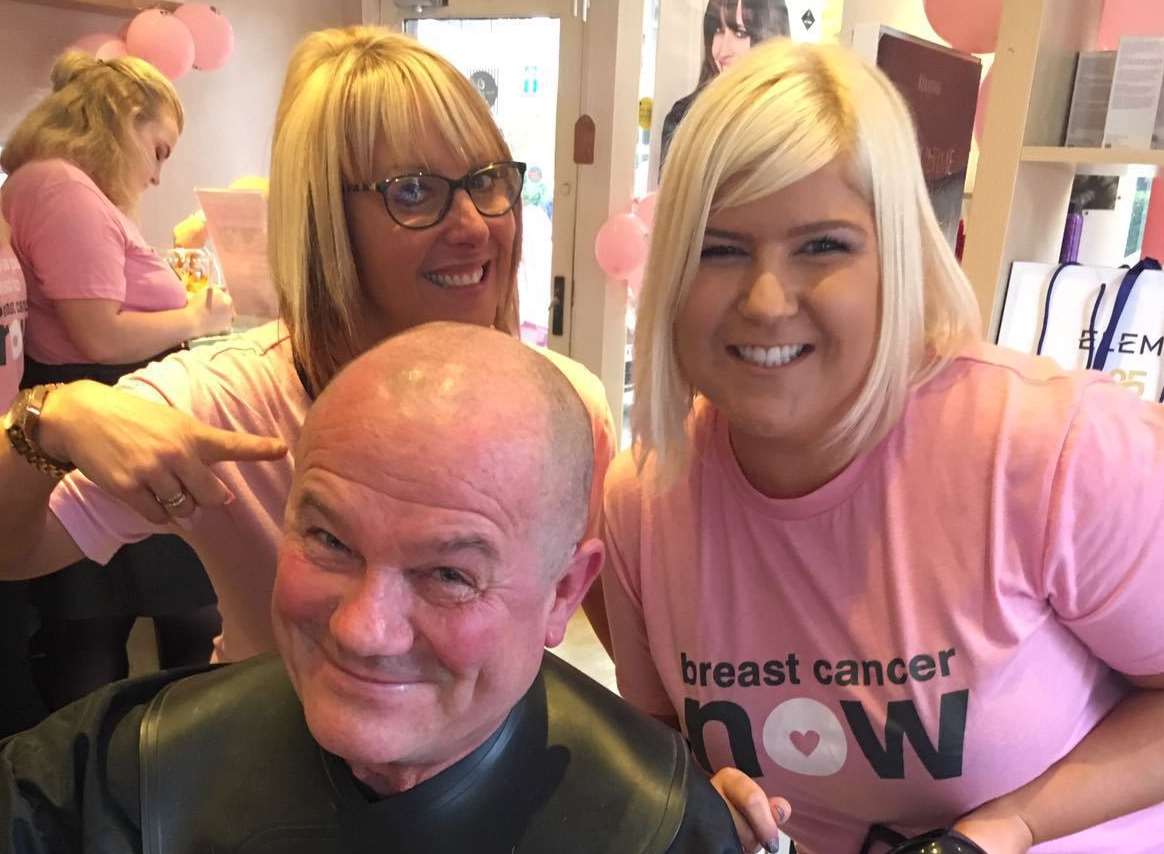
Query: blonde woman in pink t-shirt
(393, 202)
(905, 580)
(102, 303)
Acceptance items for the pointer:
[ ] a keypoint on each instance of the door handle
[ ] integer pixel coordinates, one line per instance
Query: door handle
(558, 306)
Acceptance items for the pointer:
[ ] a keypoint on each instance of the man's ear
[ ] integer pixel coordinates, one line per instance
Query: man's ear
(572, 584)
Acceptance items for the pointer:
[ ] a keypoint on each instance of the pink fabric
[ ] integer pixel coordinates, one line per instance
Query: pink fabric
(13, 309)
(75, 244)
(248, 383)
(997, 557)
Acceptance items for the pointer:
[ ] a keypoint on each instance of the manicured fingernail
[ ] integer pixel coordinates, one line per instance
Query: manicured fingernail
(229, 499)
(772, 845)
(781, 813)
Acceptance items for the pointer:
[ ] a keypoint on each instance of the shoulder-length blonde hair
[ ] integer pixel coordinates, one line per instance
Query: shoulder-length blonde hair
(88, 116)
(345, 90)
(777, 116)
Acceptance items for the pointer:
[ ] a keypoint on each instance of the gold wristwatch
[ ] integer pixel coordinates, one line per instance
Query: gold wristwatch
(20, 424)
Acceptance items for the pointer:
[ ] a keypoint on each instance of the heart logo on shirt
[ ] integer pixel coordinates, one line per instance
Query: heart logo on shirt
(805, 742)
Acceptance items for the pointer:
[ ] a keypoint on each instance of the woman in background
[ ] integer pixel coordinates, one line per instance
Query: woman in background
(102, 303)
(730, 29)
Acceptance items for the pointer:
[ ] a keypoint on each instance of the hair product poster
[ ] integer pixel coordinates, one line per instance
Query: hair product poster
(697, 39)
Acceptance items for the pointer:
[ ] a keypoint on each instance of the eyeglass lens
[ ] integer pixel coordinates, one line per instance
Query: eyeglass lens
(421, 200)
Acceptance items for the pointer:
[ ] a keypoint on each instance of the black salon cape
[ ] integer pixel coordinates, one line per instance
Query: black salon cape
(227, 765)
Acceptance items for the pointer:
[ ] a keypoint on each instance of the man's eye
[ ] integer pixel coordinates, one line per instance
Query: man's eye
(328, 540)
(453, 577)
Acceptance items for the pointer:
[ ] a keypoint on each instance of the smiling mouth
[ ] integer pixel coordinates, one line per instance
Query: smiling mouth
(770, 357)
(459, 280)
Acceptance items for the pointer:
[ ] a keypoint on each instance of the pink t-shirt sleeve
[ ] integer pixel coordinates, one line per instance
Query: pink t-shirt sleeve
(98, 523)
(638, 679)
(71, 238)
(1104, 564)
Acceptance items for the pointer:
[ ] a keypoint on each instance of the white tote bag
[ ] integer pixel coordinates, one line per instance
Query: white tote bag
(1098, 318)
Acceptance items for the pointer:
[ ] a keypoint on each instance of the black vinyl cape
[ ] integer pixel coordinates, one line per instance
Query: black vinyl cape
(227, 765)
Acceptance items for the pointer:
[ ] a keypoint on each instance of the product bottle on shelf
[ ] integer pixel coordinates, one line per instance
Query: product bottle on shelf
(1072, 231)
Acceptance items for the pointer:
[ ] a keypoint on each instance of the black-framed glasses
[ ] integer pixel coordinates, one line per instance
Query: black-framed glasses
(422, 199)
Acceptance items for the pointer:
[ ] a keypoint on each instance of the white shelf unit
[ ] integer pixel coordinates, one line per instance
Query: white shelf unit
(1024, 171)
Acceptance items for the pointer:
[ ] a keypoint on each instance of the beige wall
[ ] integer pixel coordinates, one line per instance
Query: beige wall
(229, 112)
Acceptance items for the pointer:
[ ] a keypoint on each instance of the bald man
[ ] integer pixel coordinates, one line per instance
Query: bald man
(432, 548)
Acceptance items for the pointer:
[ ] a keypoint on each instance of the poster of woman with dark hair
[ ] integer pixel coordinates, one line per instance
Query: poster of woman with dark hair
(730, 29)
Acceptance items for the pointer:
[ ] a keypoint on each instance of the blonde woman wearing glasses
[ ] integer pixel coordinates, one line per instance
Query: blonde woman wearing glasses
(393, 203)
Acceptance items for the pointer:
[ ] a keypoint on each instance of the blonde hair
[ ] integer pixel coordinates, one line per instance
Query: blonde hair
(345, 90)
(777, 116)
(87, 119)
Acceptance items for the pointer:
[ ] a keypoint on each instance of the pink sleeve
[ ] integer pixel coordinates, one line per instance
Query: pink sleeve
(638, 679)
(1104, 558)
(98, 523)
(71, 238)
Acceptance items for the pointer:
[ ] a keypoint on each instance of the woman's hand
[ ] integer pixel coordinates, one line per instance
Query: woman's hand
(996, 832)
(757, 816)
(211, 311)
(144, 453)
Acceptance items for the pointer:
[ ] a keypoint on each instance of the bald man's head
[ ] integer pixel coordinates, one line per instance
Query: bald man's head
(456, 393)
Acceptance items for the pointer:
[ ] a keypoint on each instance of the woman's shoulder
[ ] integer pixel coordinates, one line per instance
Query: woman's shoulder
(253, 370)
(1013, 397)
(44, 190)
(40, 175)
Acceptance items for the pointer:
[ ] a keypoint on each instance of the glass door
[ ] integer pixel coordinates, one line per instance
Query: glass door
(525, 57)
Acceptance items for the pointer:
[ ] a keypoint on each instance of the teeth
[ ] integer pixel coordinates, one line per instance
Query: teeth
(460, 281)
(770, 357)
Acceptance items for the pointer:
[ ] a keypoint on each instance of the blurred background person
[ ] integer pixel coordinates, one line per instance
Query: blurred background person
(730, 29)
(102, 303)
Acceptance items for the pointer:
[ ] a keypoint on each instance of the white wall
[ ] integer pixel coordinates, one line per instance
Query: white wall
(229, 112)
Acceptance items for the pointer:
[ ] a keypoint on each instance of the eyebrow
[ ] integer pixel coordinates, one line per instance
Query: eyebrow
(796, 231)
(445, 546)
(308, 501)
(470, 542)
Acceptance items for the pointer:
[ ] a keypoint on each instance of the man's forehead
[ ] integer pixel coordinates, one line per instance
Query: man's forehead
(435, 523)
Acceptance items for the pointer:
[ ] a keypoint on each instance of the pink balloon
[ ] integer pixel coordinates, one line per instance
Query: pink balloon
(983, 100)
(162, 40)
(645, 209)
(212, 32)
(621, 245)
(969, 26)
(1128, 18)
(93, 42)
(112, 50)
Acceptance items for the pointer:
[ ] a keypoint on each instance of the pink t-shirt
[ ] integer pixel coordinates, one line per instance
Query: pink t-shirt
(13, 309)
(75, 244)
(248, 383)
(928, 631)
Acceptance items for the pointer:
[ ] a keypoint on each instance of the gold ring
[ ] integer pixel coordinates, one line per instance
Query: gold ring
(173, 503)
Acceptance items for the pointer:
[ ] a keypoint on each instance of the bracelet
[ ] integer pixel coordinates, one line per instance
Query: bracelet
(21, 424)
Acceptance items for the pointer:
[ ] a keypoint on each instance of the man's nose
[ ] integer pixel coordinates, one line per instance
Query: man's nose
(768, 298)
(374, 617)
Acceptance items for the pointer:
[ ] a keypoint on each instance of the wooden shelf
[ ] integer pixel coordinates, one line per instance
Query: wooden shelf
(108, 7)
(1093, 156)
